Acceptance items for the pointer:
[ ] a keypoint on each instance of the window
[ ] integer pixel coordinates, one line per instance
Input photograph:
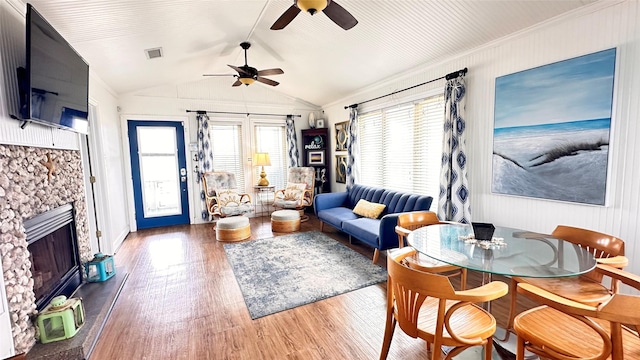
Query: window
(271, 138)
(400, 146)
(226, 141)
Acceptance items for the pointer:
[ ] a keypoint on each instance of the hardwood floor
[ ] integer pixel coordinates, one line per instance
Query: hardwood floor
(182, 301)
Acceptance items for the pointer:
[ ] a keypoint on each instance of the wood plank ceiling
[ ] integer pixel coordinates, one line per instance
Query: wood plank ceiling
(321, 61)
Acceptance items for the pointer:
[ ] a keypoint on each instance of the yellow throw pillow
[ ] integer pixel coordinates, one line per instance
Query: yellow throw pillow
(368, 209)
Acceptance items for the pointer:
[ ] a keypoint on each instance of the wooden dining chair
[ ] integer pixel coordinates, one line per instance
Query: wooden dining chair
(565, 329)
(426, 306)
(410, 221)
(587, 288)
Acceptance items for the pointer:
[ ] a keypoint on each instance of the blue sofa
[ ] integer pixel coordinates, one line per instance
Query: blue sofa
(335, 209)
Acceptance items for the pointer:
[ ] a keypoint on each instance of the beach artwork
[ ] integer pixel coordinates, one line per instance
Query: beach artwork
(552, 129)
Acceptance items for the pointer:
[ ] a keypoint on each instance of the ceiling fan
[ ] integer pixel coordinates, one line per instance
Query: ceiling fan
(248, 75)
(335, 12)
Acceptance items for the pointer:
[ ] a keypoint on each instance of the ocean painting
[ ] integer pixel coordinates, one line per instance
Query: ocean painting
(552, 129)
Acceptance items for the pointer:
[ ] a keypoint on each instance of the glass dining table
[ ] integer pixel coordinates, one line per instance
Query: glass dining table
(508, 252)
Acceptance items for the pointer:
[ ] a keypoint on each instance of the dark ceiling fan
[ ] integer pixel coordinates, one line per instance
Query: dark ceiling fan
(334, 11)
(248, 75)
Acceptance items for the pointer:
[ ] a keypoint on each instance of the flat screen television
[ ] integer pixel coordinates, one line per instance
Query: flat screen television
(55, 83)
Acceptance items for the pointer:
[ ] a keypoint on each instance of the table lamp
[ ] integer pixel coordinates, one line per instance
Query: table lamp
(262, 159)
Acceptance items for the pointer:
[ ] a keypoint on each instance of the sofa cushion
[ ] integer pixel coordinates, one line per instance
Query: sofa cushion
(395, 201)
(368, 209)
(335, 216)
(363, 229)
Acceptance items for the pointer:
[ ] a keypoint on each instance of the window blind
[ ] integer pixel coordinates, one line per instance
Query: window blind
(226, 140)
(400, 146)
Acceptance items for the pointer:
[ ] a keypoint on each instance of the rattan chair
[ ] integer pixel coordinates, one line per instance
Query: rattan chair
(298, 193)
(410, 221)
(426, 306)
(222, 196)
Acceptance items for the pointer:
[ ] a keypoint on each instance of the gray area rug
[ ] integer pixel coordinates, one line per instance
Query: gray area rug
(284, 272)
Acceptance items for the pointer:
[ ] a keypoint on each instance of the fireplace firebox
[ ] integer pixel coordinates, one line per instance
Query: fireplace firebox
(53, 248)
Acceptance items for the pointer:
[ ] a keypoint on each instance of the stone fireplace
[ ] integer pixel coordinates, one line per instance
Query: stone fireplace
(27, 190)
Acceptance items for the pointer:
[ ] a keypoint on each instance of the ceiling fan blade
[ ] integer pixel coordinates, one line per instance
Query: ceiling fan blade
(237, 83)
(340, 16)
(267, 81)
(270, 72)
(286, 18)
(239, 70)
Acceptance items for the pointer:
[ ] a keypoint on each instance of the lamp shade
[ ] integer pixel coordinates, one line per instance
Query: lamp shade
(261, 159)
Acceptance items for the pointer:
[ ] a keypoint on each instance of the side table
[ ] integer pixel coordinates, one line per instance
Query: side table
(263, 196)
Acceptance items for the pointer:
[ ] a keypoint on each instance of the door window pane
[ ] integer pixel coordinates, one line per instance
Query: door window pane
(159, 171)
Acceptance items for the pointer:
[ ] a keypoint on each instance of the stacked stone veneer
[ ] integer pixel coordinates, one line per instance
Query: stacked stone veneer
(25, 191)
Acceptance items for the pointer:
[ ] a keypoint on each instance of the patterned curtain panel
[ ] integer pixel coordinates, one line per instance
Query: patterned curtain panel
(292, 143)
(205, 157)
(454, 203)
(353, 152)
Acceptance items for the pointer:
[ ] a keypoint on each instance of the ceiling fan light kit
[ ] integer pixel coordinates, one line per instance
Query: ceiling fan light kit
(312, 6)
(246, 80)
(335, 12)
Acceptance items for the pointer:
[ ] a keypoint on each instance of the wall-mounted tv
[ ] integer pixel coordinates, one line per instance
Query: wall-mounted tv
(55, 83)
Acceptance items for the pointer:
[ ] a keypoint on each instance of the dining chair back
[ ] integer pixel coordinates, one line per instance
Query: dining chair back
(565, 329)
(587, 288)
(426, 306)
(606, 248)
(413, 220)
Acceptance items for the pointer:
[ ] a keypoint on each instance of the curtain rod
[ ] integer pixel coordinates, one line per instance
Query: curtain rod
(449, 76)
(237, 113)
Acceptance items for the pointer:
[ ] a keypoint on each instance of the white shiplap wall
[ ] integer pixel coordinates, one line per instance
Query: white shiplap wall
(600, 26)
(106, 131)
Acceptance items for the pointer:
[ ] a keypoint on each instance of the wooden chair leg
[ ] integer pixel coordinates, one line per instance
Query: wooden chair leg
(520, 349)
(463, 279)
(617, 351)
(512, 310)
(488, 349)
(321, 225)
(388, 335)
(376, 255)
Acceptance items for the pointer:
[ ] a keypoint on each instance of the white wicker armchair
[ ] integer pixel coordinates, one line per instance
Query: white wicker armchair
(222, 196)
(298, 193)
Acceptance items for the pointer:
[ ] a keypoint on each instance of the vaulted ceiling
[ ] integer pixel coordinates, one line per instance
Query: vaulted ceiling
(322, 62)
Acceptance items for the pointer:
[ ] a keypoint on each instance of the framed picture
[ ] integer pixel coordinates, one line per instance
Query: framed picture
(315, 158)
(319, 123)
(341, 169)
(551, 131)
(342, 135)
